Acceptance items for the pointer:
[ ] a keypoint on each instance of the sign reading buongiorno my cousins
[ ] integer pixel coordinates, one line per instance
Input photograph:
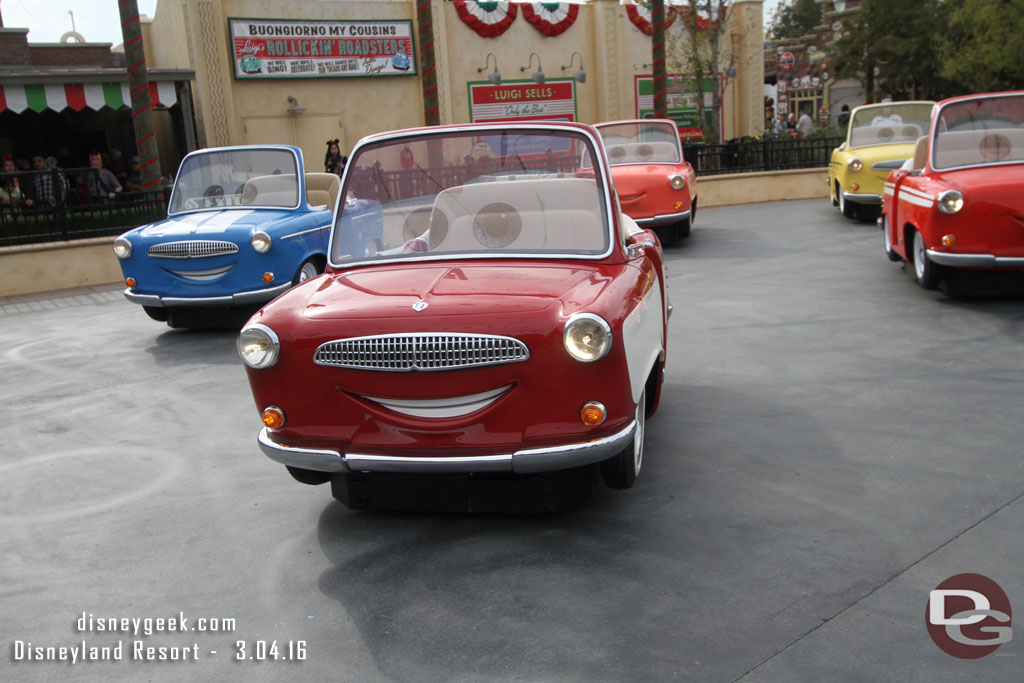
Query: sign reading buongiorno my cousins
(283, 48)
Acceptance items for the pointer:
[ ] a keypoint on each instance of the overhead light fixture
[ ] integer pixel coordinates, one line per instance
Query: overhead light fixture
(581, 75)
(295, 107)
(538, 75)
(494, 77)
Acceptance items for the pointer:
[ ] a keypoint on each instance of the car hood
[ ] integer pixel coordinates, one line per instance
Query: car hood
(206, 224)
(638, 178)
(991, 189)
(466, 288)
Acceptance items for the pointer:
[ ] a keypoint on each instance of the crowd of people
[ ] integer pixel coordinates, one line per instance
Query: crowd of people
(46, 182)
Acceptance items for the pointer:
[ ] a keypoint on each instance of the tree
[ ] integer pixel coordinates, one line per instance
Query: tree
(696, 47)
(981, 45)
(895, 38)
(796, 18)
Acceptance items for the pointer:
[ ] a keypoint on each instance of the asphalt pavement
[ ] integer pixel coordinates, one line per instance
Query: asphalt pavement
(833, 443)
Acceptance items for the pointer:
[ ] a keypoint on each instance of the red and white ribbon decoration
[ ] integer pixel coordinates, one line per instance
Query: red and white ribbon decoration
(551, 18)
(703, 17)
(640, 15)
(488, 19)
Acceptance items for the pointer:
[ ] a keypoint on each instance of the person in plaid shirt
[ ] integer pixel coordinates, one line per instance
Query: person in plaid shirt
(46, 183)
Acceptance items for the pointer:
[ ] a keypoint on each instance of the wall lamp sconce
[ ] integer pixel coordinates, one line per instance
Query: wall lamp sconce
(538, 75)
(494, 77)
(296, 108)
(581, 75)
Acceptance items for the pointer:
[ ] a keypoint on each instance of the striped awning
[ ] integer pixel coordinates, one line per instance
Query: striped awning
(78, 96)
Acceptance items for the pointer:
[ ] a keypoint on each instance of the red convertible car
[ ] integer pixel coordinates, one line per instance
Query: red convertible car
(480, 313)
(959, 202)
(656, 186)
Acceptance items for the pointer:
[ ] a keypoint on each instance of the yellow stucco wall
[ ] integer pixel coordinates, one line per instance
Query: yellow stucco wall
(195, 34)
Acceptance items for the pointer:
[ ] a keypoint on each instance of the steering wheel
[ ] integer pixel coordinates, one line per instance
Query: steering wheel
(212, 194)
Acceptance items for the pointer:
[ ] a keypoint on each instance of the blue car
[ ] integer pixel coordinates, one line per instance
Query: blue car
(243, 225)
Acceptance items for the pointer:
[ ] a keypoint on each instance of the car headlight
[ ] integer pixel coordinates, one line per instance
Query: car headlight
(855, 165)
(261, 241)
(122, 248)
(951, 201)
(258, 346)
(587, 337)
(677, 182)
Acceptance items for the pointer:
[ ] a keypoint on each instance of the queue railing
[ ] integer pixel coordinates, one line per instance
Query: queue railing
(56, 205)
(748, 155)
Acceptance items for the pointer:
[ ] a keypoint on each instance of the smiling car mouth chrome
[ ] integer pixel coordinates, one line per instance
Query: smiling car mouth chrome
(202, 275)
(438, 408)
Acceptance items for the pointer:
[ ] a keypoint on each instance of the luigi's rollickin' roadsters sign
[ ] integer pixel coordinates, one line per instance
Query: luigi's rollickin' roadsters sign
(283, 48)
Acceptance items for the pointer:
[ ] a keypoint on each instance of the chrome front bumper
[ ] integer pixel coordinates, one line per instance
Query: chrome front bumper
(525, 461)
(862, 198)
(258, 296)
(663, 219)
(975, 260)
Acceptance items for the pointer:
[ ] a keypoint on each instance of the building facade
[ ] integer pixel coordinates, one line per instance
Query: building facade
(308, 71)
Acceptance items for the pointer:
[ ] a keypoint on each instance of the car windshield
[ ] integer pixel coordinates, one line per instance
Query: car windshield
(980, 132)
(494, 192)
(647, 142)
(889, 123)
(236, 178)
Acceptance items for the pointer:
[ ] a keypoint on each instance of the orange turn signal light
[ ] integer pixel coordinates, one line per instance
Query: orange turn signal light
(949, 240)
(268, 276)
(129, 282)
(593, 414)
(679, 206)
(273, 417)
(854, 187)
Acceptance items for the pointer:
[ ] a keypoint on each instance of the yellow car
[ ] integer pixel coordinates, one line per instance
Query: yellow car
(879, 139)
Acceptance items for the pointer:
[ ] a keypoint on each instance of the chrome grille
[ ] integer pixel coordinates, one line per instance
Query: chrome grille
(420, 351)
(192, 249)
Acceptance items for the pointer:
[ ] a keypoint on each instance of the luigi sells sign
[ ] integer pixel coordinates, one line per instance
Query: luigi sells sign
(272, 48)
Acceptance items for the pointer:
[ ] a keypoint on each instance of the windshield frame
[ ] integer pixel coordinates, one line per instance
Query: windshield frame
(666, 123)
(934, 132)
(299, 178)
(879, 106)
(579, 131)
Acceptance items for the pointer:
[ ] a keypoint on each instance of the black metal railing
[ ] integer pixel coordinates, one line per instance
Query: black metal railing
(748, 155)
(66, 204)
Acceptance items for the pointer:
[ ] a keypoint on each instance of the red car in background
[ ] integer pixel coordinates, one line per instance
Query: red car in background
(959, 201)
(492, 314)
(656, 186)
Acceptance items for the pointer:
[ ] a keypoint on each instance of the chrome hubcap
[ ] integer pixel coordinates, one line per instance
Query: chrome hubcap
(638, 436)
(919, 256)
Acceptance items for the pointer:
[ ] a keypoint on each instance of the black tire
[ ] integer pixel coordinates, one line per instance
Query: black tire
(683, 228)
(157, 313)
(890, 253)
(309, 269)
(620, 471)
(310, 477)
(867, 213)
(927, 273)
(846, 208)
(667, 234)
(833, 193)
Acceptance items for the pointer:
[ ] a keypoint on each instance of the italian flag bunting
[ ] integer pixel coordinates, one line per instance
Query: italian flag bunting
(488, 19)
(551, 18)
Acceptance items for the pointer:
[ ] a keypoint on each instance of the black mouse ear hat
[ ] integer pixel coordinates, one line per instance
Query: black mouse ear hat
(332, 141)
